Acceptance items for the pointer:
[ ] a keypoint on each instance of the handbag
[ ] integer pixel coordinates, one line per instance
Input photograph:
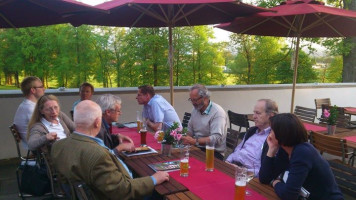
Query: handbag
(34, 179)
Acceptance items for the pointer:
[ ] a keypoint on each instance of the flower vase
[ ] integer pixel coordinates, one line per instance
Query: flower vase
(331, 129)
(166, 149)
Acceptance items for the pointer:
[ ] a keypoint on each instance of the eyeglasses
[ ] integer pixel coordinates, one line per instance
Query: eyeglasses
(195, 100)
(117, 111)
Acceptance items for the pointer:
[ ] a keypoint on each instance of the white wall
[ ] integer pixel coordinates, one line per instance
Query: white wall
(239, 99)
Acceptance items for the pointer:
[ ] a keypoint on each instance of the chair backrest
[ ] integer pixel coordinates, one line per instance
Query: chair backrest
(81, 191)
(305, 114)
(186, 119)
(239, 120)
(345, 177)
(329, 144)
(343, 120)
(17, 137)
(319, 102)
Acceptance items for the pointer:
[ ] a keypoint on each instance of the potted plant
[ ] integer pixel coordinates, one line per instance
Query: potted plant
(331, 118)
(171, 137)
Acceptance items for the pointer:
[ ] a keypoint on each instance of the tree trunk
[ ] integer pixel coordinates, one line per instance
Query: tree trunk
(349, 60)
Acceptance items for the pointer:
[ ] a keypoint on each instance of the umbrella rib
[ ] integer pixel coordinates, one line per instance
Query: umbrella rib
(164, 13)
(256, 25)
(148, 12)
(322, 19)
(7, 20)
(188, 13)
(139, 17)
(220, 10)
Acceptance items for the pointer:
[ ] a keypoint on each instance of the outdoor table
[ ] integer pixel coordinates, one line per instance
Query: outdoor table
(182, 196)
(140, 166)
(350, 110)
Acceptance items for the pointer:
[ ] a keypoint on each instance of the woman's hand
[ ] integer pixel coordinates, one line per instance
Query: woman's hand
(51, 136)
(273, 145)
(124, 138)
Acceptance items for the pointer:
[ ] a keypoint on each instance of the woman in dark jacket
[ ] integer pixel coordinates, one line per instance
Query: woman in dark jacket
(289, 150)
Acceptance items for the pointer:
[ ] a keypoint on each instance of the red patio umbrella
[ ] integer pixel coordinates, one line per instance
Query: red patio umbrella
(297, 18)
(28, 13)
(167, 13)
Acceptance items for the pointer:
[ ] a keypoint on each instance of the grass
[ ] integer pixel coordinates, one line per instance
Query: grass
(8, 87)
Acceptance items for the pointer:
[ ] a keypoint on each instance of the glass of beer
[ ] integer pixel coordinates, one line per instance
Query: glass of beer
(143, 133)
(139, 121)
(240, 183)
(209, 160)
(160, 136)
(184, 161)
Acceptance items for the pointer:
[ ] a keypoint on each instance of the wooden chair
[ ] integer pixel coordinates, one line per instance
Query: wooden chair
(17, 137)
(345, 177)
(239, 120)
(186, 119)
(331, 145)
(83, 192)
(305, 114)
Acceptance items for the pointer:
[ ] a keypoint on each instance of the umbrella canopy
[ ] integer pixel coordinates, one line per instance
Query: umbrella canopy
(297, 18)
(167, 13)
(28, 13)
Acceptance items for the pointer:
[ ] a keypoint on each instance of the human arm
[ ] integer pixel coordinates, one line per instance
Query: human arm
(154, 126)
(124, 143)
(38, 136)
(67, 121)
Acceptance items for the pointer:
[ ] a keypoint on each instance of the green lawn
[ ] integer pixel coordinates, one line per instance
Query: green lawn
(7, 87)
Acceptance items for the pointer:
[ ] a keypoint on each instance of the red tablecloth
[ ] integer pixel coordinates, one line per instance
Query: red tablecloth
(210, 185)
(351, 138)
(312, 127)
(132, 133)
(351, 109)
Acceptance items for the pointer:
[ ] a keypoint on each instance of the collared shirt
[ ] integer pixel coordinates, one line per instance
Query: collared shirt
(57, 128)
(207, 110)
(249, 153)
(158, 110)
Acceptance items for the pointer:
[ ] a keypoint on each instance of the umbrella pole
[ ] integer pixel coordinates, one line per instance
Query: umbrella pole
(295, 71)
(170, 60)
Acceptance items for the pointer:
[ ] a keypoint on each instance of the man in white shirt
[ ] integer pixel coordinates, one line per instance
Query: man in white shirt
(32, 88)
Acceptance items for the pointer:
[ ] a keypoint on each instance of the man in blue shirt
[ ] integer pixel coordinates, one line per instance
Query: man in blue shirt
(158, 113)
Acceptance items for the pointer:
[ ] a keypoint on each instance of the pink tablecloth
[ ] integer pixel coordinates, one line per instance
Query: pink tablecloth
(351, 138)
(350, 109)
(132, 133)
(312, 127)
(210, 185)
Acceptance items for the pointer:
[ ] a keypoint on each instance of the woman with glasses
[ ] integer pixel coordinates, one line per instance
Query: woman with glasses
(48, 123)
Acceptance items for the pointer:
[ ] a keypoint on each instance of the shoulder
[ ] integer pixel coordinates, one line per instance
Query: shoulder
(304, 151)
(38, 126)
(218, 109)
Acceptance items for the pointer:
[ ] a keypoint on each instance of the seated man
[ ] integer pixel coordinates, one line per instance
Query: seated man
(83, 157)
(111, 108)
(159, 114)
(32, 88)
(208, 122)
(86, 91)
(249, 152)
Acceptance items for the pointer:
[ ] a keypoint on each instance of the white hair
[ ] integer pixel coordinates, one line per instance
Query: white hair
(108, 102)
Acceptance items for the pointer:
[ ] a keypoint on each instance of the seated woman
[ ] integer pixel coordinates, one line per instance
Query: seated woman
(48, 123)
(307, 169)
(86, 91)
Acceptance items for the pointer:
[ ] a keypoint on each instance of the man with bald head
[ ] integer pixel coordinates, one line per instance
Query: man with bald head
(83, 157)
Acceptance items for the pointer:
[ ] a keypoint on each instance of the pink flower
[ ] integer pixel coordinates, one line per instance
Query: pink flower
(178, 136)
(173, 133)
(179, 129)
(156, 135)
(326, 113)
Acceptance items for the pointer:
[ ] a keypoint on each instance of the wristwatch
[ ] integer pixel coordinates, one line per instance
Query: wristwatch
(196, 142)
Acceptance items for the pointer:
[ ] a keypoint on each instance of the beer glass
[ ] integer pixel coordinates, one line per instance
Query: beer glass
(143, 133)
(139, 120)
(160, 136)
(240, 183)
(184, 161)
(209, 159)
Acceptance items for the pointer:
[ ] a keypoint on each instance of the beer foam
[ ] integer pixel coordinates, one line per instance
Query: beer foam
(209, 147)
(185, 160)
(240, 183)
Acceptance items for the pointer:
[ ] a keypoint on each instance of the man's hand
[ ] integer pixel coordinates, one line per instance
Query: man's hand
(161, 177)
(124, 138)
(273, 145)
(188, 140)
(125, 147)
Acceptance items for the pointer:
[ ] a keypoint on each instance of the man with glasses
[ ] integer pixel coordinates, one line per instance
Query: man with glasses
(32, 88)
(208, 122)
(111, 108)
(159, 114)
(249, 152)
